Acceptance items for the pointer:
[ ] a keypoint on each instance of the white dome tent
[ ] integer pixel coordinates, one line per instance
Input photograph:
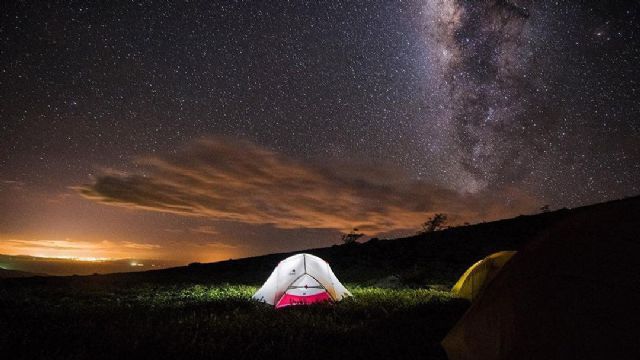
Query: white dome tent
(301, 279)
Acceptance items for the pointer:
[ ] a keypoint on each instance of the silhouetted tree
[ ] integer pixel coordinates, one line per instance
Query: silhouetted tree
(435, 223)
(351, 237)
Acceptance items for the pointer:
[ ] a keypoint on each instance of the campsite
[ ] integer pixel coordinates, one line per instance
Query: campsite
(300, 180)
(401, 304)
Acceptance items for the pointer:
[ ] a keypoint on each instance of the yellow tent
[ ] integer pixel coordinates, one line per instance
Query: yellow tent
(480, 274)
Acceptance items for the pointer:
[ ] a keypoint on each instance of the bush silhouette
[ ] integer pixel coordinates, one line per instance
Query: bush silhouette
(351, 237)
(435, 223)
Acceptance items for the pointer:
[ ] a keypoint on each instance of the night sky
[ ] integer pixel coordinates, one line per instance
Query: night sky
(206, 130)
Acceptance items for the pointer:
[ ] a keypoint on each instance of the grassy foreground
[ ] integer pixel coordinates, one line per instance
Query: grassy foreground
(86, 320)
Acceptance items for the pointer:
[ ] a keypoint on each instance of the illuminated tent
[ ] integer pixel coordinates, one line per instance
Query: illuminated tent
(572, 294)
(480, 274)
(301, 279)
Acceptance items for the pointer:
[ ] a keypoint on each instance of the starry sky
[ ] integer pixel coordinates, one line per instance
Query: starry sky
(208, 130)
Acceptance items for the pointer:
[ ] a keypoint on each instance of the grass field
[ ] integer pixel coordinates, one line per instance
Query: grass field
(85, 319)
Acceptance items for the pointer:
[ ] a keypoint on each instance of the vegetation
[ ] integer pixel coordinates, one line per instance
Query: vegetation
(88, 320)
(351, 237)
(435, 223)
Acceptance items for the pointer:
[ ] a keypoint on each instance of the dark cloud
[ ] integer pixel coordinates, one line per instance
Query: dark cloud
(232, 180)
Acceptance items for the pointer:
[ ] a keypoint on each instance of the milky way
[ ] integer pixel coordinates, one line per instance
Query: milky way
(515, 104)
(488, 86)
(523, 95)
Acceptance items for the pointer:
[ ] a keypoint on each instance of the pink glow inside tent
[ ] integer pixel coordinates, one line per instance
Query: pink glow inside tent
(289, 299)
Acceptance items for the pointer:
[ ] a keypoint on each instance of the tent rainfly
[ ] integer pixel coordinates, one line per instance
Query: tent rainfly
(301, 279)
(480, 274)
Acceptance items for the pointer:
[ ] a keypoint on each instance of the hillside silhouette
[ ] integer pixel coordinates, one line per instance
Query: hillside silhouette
(6, 273)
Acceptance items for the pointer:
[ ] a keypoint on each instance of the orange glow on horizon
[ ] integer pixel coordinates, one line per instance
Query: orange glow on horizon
(106, 251)
(76, 250)
(73, 258)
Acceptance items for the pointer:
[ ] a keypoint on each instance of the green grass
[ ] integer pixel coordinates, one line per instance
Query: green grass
(81, 319)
